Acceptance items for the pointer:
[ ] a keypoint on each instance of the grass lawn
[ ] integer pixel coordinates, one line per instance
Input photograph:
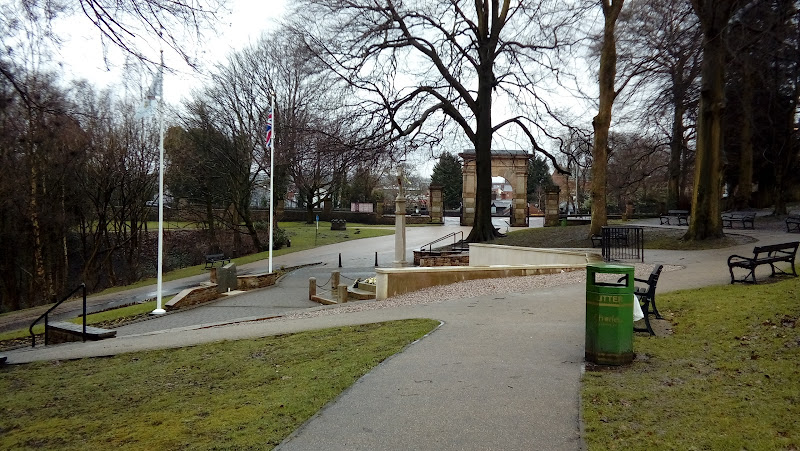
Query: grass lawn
(247, 394)
(727, 378)
(108, 319)
(303, 236)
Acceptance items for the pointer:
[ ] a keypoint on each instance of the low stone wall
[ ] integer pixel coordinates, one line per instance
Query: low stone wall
(394, 281)
(495, 254)
(419, 255)
(486, 261)
(193, 296)
(444, 260)
(251, 282)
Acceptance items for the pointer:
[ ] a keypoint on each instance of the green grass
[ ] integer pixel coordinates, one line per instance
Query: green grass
(303, 236)
(38, 329)
(108, 318)
(173, 225)
(728, 377)
(121, 313)
(247, 394)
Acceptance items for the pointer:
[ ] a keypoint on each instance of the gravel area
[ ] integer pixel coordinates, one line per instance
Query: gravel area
(464, 290)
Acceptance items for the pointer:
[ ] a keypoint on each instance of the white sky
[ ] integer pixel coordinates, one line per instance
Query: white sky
(81, 55)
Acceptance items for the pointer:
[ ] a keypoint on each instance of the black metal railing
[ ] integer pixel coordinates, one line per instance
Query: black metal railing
(46, 314)
(450, 235)
(623, 243)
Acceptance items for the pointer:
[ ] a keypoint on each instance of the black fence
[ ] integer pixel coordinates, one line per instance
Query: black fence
(623, 243)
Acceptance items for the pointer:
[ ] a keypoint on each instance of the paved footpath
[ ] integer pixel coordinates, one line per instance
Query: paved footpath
(501, 372)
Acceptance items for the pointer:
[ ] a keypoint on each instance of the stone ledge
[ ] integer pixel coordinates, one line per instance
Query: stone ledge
(63, 332)
(253, 281)
(394, 281)
(193, 296)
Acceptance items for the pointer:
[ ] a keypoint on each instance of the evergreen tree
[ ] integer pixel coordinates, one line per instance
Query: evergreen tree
(447, 173)
(538, 179)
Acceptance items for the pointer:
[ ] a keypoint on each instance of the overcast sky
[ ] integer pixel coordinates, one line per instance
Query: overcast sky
(82, 53)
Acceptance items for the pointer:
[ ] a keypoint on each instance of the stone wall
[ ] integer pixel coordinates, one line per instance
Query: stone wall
(193, 296)
(444, 260)
(494, 254)
(394, 281)
(251, 282)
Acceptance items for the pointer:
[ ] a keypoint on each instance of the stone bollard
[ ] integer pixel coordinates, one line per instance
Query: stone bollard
(312, 288)
(342, 293)
(226, 278)
(334, 281)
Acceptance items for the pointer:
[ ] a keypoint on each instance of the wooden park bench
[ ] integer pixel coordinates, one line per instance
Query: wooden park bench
(793, 222)
(680, 216)
(764, 255)
(742, 217)
(212, 259)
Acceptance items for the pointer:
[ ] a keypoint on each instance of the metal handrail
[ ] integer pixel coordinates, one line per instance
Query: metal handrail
(454, 235)
(45, 316)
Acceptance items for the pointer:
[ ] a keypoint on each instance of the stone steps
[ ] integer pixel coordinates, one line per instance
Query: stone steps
(62, 332)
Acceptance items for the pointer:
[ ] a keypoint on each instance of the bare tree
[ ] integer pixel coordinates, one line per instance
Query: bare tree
(705, 219)
(668, 34)
(418, 68)
(602, 121)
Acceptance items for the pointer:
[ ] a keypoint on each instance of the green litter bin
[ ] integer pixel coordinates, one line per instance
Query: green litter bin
(609, 314)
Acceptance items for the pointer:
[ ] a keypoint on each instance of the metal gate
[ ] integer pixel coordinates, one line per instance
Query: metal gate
(623, 243)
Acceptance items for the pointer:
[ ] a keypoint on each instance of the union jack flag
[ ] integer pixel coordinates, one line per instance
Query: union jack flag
(269, 130)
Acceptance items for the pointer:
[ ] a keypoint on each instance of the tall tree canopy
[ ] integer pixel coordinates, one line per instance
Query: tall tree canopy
(539, 179)
(419, 68)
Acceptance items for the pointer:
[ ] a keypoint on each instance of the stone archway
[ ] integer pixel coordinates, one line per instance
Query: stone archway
(509, 164)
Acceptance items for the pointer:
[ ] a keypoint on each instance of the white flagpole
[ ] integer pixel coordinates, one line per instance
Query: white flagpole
(159, 310)
(271, 176)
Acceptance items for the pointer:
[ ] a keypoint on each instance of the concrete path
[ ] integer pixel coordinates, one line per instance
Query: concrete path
(502, 372)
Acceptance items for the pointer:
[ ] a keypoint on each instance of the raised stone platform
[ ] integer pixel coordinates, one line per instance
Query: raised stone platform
(486, 261)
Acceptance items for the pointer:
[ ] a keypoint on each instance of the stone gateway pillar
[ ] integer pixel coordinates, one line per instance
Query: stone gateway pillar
(551, 206)
(437, 205)
(519, 205)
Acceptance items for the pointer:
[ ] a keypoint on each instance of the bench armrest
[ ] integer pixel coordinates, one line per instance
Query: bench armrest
(748, 259)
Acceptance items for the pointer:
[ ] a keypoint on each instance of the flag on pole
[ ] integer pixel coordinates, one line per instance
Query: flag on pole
(151, 97)
(268, 137)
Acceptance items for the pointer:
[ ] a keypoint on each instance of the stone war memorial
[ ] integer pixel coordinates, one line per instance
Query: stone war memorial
(509, 164)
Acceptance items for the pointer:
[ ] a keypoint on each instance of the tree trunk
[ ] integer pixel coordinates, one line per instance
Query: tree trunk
(212, 228)
(705, 219)
(482, 228)
(602, 122)
(251, 229)
(310, 208)
(743, 194)
(675, 153)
